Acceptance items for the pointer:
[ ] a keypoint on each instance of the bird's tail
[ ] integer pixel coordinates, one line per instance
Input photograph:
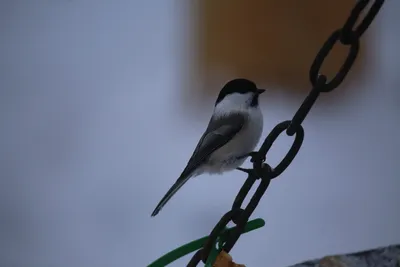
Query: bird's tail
(171, 192)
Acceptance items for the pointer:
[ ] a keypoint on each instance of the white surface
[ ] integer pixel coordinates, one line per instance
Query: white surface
(82, 167)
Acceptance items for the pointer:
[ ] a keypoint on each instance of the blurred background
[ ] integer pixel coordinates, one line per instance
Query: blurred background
(102, 104)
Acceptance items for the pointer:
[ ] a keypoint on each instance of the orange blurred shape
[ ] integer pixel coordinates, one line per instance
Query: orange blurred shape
(272, 42)
(225, 260)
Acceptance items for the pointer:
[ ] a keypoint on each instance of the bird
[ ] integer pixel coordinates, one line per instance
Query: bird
(233, 132)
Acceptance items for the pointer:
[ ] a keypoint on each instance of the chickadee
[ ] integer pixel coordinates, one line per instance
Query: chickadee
(233, 132)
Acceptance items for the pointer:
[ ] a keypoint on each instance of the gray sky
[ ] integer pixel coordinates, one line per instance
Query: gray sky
(85, 158)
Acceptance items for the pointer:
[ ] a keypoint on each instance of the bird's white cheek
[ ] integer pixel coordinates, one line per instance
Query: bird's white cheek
(239, 102)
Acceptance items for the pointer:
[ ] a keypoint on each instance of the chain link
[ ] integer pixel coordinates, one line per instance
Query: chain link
(262, 171)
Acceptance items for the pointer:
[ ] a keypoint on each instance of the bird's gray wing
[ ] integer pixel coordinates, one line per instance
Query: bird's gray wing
(219, 132)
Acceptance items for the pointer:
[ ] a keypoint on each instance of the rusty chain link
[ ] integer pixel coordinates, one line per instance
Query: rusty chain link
(348, 35)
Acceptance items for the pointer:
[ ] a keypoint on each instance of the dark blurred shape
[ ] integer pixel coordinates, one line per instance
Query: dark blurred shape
(384, 256)
(271, 42)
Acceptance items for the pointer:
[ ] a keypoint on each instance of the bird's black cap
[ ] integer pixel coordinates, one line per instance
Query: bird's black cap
(241, 86)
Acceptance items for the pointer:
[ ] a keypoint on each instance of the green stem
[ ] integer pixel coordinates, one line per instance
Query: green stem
(197, 244)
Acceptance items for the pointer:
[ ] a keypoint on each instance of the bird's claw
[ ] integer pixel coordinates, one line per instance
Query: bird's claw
(243, 169)
(256, 156)
(248, 171)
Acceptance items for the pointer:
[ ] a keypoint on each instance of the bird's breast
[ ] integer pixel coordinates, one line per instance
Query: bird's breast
(244, 142)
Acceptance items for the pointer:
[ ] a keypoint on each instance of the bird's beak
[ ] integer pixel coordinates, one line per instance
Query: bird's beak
(260, 91)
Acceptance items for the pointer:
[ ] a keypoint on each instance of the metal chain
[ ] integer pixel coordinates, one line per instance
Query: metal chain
(348, 35)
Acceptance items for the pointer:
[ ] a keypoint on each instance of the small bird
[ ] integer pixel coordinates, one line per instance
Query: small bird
(232, 134)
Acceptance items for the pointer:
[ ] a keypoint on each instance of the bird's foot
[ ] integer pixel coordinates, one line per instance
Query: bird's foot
(256, 156)
(243, 169)
(248, 171)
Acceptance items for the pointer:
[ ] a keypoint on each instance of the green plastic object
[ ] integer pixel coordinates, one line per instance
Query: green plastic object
(197, 244)
(216, 250)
